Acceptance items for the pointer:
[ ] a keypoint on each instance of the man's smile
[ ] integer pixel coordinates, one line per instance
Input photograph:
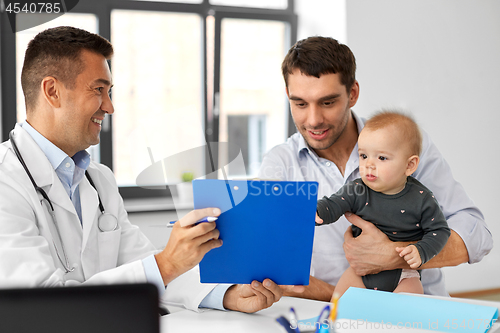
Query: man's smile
(318, 134)
(97, 121)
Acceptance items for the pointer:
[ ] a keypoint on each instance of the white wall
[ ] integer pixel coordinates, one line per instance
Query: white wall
(321, 17)
(438, 60)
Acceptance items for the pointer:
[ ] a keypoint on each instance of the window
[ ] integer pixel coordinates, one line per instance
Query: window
(185, 73)
(251, 88)
(183, 1)
(276, 4)
(157, 93)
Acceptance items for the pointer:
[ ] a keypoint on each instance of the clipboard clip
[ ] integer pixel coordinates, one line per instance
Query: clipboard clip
(320, 324)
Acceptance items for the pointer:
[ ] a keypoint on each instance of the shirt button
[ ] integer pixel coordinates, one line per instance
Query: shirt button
(68, 165)
(328, 164)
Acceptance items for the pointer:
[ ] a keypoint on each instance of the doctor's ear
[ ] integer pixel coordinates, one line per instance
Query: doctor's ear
(51, 91)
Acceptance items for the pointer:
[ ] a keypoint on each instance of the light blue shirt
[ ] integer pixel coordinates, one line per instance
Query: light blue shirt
(296, 161)
(71, 172)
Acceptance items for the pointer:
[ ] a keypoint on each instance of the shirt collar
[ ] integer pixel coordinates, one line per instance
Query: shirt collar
(360, 122)
(303, 146)
(54, 154)
(82, 159)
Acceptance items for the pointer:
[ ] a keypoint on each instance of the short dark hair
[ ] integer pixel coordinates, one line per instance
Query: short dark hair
(56, 52)
(317, 55)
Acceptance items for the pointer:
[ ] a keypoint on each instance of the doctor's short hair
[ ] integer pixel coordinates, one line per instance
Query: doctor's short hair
(318, 55)
(56, 52)
(406, 126)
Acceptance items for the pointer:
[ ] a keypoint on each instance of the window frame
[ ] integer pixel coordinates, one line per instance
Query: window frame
(102, 9)
(267, 15)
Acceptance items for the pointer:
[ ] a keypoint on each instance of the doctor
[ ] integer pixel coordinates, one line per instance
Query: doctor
(62, 220)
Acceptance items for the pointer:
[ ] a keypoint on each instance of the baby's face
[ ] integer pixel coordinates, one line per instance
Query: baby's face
(383, 159)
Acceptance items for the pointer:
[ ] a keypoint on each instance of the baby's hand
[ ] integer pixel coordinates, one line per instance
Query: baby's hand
(318, 219)
(411, 255)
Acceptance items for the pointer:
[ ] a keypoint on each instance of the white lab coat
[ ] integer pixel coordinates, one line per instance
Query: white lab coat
(27, 255)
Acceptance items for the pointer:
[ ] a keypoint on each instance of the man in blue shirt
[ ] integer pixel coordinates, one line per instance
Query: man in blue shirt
(320, 83)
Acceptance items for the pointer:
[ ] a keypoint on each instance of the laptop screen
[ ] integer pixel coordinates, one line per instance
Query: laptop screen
(96, 309)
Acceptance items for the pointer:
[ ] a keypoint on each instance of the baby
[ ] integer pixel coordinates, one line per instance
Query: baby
(386, 195)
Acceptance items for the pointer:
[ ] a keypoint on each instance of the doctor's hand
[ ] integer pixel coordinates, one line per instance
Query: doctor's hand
(188, 245)
(372, 251)
(252, 297)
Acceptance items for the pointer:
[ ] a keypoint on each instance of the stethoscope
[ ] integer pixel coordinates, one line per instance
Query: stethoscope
(105, 222)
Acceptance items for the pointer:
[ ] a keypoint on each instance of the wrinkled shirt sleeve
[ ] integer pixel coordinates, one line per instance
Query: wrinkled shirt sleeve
(459, 210)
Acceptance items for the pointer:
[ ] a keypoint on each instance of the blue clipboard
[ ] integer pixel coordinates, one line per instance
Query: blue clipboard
(267, 229)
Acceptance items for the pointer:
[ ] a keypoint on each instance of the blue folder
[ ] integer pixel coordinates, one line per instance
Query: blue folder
(380, 311)
(267, 229)
(414, 311)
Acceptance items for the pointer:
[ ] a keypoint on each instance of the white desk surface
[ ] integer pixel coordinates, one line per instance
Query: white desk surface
(264, 321)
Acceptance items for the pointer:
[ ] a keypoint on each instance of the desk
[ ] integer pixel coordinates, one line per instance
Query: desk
(185, 321)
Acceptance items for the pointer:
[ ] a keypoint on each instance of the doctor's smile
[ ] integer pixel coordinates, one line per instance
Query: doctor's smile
(97, 121)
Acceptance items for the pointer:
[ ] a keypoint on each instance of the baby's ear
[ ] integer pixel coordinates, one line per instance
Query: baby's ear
(412, 164)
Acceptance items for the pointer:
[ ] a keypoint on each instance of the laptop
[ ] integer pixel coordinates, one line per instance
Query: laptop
(128, 308)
